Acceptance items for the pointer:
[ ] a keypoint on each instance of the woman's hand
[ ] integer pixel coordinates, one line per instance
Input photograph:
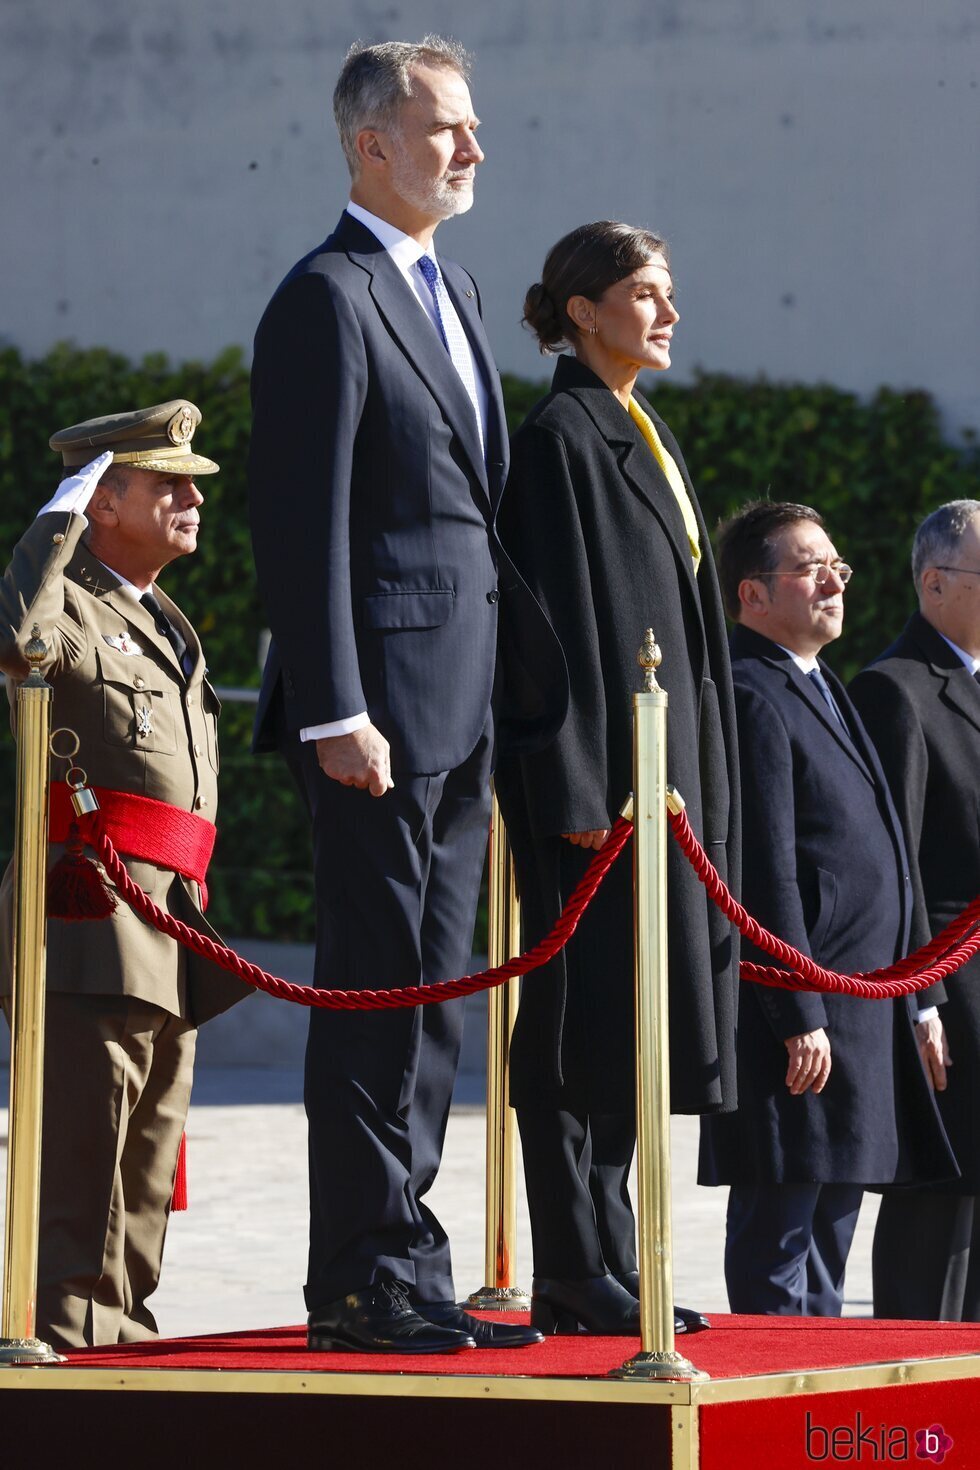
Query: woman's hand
(595, 838)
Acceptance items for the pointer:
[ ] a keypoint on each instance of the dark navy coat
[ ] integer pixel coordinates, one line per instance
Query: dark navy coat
(922, 709)
(825, 869)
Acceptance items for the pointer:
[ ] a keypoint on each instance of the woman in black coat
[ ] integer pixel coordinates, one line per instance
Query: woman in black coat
(599, 516)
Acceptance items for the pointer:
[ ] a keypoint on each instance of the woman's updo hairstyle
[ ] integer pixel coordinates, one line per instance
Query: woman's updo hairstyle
(585, 262)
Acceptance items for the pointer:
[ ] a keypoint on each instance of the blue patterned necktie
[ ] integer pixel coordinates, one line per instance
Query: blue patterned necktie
(819, 682)
(453, 335)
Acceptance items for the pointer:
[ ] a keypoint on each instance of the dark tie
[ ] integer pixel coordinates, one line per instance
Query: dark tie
(819, 682)
(168, 631)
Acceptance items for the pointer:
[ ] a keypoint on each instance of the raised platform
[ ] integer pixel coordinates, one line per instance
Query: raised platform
(782, 1392)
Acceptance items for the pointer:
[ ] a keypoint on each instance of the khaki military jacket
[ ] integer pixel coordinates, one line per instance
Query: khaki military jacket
(144, 727)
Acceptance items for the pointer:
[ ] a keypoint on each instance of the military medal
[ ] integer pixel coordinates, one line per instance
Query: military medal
(123, 643)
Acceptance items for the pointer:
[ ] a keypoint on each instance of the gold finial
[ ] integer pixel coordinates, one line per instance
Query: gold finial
(35, 651)
(649, 658)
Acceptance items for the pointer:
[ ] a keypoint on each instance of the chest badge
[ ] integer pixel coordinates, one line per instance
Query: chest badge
(144, 721)
(123, 643)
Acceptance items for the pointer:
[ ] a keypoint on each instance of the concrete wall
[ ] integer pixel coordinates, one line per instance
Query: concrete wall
(813, 162)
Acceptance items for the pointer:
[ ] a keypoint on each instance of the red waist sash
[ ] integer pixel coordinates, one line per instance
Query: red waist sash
(140, 827)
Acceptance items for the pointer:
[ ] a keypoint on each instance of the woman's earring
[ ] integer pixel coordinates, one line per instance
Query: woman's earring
(594, 329)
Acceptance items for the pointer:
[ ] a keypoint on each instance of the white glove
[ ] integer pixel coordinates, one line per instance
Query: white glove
(75, 493)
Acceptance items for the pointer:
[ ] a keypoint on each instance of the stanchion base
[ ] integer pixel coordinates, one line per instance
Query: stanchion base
(23, 1351)
(658, 1367)
(499, 1299)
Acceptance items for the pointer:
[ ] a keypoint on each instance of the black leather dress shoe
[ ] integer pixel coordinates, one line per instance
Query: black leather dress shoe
(379, 1320)
(486, 1334)
(599, 1305)
(686, 1319)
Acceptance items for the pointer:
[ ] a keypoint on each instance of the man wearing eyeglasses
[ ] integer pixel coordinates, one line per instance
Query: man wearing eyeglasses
(832, 1095)
(921, 703)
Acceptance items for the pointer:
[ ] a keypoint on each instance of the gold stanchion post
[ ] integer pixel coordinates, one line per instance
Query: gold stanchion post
(18, 1344)
(503, 942)
(657, 1358)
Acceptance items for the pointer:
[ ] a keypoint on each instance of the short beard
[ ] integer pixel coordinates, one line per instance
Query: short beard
(433, 197)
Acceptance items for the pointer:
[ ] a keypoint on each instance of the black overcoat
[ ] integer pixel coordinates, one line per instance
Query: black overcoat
(594, 528)
(826, 870)
(922, 709)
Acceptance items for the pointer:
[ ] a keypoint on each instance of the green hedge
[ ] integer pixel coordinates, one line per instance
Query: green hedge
(874, 469)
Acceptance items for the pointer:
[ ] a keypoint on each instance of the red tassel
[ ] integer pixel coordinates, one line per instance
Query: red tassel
(178, 1200)
(76, 890)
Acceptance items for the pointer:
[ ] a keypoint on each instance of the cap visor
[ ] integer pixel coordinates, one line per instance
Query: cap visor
(171, 464)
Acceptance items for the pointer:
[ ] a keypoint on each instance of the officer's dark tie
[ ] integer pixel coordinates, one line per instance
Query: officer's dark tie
(168, 631)
(819, 682)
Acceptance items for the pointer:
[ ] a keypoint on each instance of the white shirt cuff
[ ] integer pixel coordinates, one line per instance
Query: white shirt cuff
(74, 494)
(335, 727)
(929, 1014)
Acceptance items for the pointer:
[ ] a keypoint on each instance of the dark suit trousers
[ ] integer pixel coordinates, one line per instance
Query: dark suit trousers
(786, 1247)
(397, 880)
(576, 1168)
(925, 1261)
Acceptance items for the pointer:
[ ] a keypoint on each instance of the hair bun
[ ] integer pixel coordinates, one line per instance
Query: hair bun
(542, 318)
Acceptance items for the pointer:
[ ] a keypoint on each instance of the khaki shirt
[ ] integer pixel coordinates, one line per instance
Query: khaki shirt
(143, 727)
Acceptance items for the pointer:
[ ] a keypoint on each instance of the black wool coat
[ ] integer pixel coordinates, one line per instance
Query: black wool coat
(826, 870)
(594, 528)
(922, 709)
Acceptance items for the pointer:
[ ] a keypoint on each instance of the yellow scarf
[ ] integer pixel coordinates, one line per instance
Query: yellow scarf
(645, 424)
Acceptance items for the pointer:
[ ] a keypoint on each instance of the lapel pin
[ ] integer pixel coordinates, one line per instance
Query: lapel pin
(470, 295)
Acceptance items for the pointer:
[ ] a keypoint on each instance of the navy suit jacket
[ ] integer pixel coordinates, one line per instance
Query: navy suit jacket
(372, 508)
(825, 868)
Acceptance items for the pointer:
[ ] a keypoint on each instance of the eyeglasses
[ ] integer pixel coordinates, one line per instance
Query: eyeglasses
(821, 572)
(968, 570)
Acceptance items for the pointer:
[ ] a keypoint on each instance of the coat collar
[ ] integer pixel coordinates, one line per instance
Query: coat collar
(746, 643)
(635, 458)
(90, 573)
(421, 343)
(960, 688)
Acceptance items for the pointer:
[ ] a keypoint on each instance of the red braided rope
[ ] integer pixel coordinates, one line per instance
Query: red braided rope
(361, 1000)
(902, 978)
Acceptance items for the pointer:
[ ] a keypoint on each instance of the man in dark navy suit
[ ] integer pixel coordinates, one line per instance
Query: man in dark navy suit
(378, 455)
(921, 703)
(833, 1098)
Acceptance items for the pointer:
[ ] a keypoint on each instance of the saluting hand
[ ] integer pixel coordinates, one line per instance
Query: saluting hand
(361, 759)
(809, 1062)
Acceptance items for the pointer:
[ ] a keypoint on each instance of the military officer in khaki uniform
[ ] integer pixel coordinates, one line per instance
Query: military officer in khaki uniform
(124, 1001)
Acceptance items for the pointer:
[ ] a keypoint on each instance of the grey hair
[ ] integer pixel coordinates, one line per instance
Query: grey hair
(374, 81)
(937, 539)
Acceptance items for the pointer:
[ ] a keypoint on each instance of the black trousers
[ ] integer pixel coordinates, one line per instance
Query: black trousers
(576, 1167)
(786, 1247)
(925, 1261)
(397, 881)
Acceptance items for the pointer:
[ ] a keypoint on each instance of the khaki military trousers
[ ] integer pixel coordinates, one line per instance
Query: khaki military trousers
(117, 1084)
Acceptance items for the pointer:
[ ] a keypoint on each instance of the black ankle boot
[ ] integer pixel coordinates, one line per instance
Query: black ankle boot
(598, 1305)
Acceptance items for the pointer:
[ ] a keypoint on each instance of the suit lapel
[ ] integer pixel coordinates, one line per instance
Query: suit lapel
(962, 691)
(464, 299)
(805, 688)
(639, 468)
(420, 342)
(959, 689)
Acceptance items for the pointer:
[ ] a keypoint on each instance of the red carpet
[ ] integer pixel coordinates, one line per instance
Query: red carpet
(735, 1347)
